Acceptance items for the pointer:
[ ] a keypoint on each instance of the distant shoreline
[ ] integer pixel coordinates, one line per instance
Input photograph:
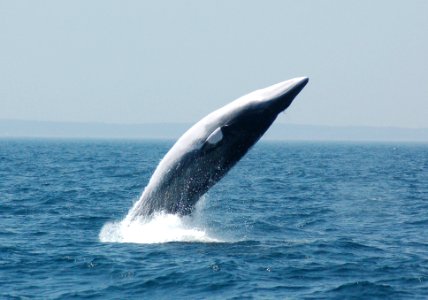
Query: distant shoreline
(172, 131)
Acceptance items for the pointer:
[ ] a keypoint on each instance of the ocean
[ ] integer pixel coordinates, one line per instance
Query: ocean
(292, 220)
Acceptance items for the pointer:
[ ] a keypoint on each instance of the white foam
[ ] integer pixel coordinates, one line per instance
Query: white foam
(161, 228)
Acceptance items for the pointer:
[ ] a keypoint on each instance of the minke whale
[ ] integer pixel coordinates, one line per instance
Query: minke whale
(210, 148)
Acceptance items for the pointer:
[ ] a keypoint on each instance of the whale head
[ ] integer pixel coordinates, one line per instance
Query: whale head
(278, 97)
(245, 120)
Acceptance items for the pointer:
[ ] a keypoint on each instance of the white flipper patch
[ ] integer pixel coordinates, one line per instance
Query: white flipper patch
(215, 137)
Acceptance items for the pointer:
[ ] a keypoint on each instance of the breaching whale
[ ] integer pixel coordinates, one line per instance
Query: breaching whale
(211, 147)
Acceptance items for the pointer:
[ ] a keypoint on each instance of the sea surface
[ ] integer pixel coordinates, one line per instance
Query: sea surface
(292, 220)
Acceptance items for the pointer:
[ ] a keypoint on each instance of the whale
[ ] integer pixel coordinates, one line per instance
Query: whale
(204, 154)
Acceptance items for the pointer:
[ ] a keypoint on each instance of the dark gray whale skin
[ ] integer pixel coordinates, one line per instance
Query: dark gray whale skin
(209, 149)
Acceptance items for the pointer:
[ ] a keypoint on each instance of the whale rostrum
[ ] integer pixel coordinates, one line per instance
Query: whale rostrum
(210, 148)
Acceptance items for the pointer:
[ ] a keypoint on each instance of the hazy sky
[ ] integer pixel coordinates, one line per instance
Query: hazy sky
(176, 61)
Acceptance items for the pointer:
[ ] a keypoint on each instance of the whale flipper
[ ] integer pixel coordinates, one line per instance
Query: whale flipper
(215, 137)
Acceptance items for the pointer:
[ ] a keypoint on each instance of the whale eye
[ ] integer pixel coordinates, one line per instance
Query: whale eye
(215, 137)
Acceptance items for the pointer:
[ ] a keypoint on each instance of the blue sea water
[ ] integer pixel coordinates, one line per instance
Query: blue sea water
(290, 221)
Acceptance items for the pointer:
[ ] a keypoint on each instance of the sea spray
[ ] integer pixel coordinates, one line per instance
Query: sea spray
(158, 228)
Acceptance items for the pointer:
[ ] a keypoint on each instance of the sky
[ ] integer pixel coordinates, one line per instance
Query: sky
(176, 61)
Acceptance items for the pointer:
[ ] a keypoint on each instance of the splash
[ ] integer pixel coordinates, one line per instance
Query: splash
(160, 228)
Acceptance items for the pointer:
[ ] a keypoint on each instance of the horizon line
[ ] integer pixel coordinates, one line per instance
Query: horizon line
(173, 130)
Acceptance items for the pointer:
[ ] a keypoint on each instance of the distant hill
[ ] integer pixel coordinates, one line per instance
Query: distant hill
(278, 131)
